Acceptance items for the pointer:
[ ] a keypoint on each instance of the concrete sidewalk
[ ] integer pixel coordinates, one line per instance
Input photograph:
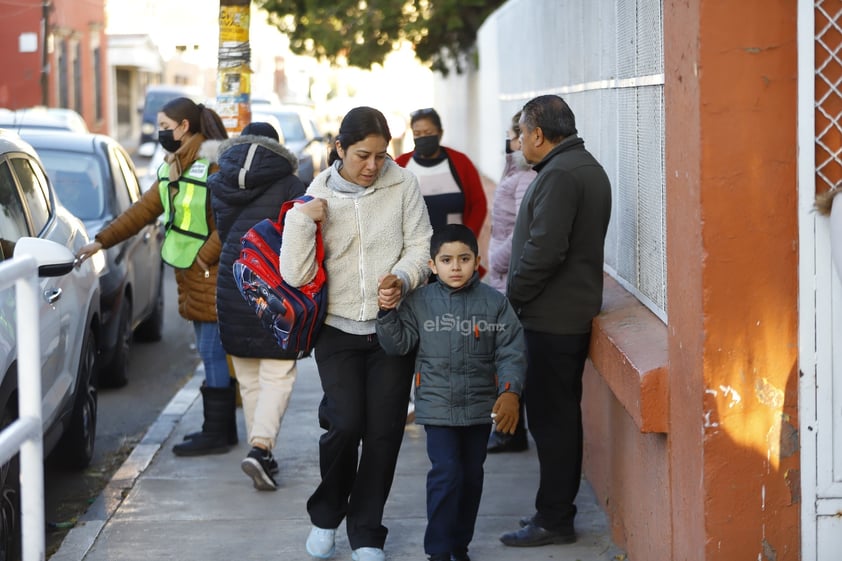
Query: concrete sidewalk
(159, 506)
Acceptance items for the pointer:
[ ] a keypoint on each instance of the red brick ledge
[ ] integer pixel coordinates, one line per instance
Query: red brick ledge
(629, 350)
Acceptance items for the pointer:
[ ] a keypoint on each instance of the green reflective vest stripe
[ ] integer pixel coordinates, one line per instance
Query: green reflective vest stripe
(185, 217)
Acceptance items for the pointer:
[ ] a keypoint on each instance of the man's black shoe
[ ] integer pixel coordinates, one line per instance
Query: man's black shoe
(459, 556)
(526, 521)
(532, 535)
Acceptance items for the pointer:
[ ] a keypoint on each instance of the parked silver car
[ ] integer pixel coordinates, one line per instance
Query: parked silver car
(95, 179)
(35, 223)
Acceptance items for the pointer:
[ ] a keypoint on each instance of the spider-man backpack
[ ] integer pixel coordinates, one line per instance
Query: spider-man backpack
(293, 315)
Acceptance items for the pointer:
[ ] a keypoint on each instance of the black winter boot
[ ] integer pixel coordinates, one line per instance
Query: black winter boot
(220, 416)
(233, 439)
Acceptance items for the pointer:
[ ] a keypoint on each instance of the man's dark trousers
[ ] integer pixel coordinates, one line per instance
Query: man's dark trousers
(553, 398)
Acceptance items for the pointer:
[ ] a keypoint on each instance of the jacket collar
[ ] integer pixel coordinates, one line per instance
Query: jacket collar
(473, 281)
(569, 143)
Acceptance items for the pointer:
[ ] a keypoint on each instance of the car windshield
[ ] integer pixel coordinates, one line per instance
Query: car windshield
(78, 180)
(291, 125)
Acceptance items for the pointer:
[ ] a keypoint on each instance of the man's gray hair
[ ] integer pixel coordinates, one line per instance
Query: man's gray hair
(552, 115)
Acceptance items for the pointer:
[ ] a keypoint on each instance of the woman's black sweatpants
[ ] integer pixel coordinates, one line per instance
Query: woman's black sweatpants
(365, 399)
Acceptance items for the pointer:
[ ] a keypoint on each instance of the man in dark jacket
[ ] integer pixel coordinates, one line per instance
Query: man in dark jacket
(555, 286)
(255, 178)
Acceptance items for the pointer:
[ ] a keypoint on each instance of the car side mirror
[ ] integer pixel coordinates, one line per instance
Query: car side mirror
(53, 259)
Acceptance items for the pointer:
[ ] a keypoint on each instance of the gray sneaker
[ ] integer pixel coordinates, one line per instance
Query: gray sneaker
(368, 554)
(321, 542)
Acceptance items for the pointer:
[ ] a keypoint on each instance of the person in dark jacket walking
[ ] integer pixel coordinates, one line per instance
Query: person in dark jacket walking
(255, 177)
(469, 367)
(555, 286)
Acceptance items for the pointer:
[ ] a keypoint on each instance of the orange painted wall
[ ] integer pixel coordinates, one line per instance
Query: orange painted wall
(732, 272)
(628, 472)
(723, 482)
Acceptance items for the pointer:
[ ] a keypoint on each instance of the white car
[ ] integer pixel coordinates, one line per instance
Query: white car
(43, 118)
(34, 223)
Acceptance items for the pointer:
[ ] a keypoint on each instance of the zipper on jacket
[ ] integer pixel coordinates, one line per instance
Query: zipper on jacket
(361, 260)
(418, 379)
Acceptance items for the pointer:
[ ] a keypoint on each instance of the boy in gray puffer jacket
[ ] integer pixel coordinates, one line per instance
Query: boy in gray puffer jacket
(469, 369)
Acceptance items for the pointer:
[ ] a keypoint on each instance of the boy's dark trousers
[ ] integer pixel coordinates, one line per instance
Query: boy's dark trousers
(365, 397)
(454, 485)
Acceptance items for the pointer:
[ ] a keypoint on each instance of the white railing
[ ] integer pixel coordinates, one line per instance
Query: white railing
(25, 433)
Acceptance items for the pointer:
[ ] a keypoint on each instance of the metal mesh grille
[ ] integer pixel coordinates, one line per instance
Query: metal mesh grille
(607, 63)
(651, 195)
(828, 19)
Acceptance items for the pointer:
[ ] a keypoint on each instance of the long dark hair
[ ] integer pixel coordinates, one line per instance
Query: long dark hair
(357, 124)
(202, 119)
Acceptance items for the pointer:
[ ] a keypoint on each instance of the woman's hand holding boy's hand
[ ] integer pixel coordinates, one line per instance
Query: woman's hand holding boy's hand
(506, 412)
(389, 292)
(315, 209)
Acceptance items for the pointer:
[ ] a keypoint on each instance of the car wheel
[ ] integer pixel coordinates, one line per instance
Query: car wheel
(152, 328)
(9, 502)
(76, 447)
(115, 373)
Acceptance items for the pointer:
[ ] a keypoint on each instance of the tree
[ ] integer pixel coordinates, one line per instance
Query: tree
(364, 31)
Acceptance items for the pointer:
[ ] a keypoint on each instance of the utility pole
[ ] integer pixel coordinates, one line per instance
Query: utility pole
(233, 78)
(45, 41)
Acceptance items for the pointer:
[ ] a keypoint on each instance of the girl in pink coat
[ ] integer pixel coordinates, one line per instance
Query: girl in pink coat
(517, 175)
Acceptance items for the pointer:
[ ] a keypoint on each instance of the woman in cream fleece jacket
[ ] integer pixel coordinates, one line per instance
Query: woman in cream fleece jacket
(374, 223)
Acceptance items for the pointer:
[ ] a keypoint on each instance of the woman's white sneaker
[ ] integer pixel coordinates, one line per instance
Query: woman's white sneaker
(321, 542)
(368, 554)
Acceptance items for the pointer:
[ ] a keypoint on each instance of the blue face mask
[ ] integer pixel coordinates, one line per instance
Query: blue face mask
(168, 142)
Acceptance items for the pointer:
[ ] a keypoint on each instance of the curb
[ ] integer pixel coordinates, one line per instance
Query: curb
(80, 539)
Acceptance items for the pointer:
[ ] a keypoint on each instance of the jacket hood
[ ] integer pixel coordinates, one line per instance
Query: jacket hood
(519, 161)
(248, 166)
(391, 175)
(262, 141)
(210, 150)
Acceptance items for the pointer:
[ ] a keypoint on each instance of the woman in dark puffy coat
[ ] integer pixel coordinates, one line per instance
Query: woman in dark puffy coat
(256, 176)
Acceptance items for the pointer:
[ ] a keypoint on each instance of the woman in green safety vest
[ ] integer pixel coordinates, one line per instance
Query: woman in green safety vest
(190, 133)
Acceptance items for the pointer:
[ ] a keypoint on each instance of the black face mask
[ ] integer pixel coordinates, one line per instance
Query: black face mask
(168, 143)
(426, 146)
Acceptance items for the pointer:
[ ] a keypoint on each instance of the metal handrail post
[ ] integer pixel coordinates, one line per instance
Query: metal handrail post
(29, 404)
(25, 434)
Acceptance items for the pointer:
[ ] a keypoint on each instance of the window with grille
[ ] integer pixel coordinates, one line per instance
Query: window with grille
(828, 83)
(606, 59)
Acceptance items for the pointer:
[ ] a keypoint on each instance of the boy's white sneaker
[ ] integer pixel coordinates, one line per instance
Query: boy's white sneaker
(321, 542)
(368, 554)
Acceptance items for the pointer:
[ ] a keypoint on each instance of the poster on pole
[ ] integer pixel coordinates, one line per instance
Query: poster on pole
(233, 84)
